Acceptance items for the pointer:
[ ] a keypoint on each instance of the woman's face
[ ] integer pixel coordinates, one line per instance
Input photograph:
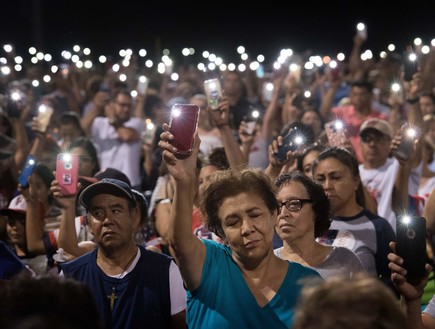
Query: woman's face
(86, 163)
(307, 162)
(248, 226)
(16, 231)
(312, 119)
(294, 226)
(338, 182)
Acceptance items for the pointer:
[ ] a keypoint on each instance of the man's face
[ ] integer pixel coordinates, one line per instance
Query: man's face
(123, 104)
(112, 222)
(375, 148)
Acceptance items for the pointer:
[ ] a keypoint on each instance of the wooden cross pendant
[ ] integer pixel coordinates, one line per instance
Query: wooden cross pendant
(112, 298)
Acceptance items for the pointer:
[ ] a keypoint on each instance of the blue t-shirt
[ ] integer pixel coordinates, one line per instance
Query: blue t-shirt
(223, 299)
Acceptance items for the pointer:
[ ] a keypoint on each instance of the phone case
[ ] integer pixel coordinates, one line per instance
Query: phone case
(44, 115)
(411, 245)
(28, 169)
(183, 124)
(67, 173)
(293, 141)
(336, 136)
(213, 92)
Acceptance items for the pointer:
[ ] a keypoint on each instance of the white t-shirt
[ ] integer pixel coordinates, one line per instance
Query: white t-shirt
(114, 153)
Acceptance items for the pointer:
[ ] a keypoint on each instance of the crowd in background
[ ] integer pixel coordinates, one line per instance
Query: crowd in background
(358, 187)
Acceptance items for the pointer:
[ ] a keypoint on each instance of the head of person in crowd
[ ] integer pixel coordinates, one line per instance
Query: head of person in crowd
(312, 118)
(337, 170)
(111, 200)
(361, 301)
(122, 104)
(228, 184)
(69, 128)
(427, 102)
(47, 302)
(15, 215)
(375, 139)
(304, 201)
(361, 96)
(85, 149)
(306, 159)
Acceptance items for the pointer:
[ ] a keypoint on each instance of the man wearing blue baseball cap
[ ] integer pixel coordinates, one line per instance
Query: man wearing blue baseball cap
(132, 286)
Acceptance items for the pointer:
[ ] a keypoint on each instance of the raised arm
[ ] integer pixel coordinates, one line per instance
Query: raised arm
(187, 249)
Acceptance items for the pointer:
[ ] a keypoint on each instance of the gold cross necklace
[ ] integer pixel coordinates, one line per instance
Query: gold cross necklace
(112, 297)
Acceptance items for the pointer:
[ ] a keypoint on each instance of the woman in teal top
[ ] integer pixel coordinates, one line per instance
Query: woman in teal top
(240, 284)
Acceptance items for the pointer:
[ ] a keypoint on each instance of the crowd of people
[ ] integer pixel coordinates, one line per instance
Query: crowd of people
(253, 228)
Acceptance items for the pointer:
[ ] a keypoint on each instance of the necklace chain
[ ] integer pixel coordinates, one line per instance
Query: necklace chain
(112, 297)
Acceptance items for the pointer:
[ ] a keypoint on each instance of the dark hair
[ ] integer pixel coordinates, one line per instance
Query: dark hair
(218, 158)
(47, 299)
(232, 182)
(142, 204)
(89, 147)
(71, 117)
(366, 84)
(349, 160)
(321, 205)
(312, 147)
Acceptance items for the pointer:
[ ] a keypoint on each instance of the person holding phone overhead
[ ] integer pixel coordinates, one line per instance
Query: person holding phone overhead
(240, 283)
(411, 293)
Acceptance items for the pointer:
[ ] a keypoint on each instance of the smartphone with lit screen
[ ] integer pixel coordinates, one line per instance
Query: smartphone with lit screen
(336, 133)
(67, 173)
(28, 169)
(411, 245)
(294, 140)
(182, 125)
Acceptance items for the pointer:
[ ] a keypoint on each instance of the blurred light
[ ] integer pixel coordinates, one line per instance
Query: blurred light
(391, 47)
(240, 49)
(5, 70)
(244, 56)
(8, 48)
(142, 52)
(149, 63)
(32, 50)
(241, 67)
(425, 49)
(76, 48)
(418, 41)
(40, 56)
(341, 57)
(18, 68)
(35, 83)
(18, 59)
(46, 78)
(122, 77)
(86, 51)
(102, 59)
(260, 58)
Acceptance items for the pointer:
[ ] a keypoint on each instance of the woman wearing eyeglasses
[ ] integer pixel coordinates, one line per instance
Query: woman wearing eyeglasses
(353, 226)
(304, 215)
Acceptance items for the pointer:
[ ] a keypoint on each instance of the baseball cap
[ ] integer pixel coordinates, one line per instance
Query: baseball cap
(106, 186)
(106, 173)
(377, 124)
(17, 208)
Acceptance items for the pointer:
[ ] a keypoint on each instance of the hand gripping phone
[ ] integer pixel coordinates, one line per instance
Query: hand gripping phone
(182, 125)
(411, 244)
(406, 146)
(67, 173)
(293, 141)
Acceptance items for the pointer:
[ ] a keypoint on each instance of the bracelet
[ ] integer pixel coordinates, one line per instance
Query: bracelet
(413, 100)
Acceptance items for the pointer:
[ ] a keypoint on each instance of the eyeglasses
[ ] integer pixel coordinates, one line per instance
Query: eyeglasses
(124, 104)
(294, 205)
(373, 138)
